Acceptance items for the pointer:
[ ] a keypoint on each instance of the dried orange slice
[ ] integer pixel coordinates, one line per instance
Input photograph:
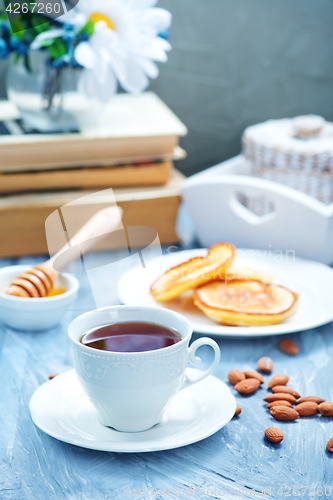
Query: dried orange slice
(245, 303)
(193, 273)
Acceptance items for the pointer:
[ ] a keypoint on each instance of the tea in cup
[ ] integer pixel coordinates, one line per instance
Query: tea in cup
(131, 362)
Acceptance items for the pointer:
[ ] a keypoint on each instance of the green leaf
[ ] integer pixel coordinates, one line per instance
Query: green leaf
(38, 25)
(89, 28)
(18, 27)
(47, 43)
(57, 49)
(27, 63)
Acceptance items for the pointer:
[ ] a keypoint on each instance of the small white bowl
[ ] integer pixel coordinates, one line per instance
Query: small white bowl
(34, 314)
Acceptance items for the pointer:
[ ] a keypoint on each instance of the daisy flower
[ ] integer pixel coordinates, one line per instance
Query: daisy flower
(124, 46)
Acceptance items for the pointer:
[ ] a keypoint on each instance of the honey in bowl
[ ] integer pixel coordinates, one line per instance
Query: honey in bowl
(56, 291)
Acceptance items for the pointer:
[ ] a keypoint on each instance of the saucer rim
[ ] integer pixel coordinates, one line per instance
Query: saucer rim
(136, 449)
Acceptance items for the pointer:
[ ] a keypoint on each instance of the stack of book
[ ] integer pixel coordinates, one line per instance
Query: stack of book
(130, 149)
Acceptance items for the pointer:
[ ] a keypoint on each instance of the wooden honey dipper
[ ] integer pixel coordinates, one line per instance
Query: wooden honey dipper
(38, 281)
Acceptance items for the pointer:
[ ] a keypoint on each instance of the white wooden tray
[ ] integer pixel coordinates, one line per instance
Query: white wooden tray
(227, 204)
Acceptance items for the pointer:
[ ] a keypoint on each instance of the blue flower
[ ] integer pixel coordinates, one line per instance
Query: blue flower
(55, 63)
(5, 32)
(22, 49)
(164, 34)
(14, 42)
(84, 37)
(4, 51)
(68, 27)
(66, 60)
(68, 38)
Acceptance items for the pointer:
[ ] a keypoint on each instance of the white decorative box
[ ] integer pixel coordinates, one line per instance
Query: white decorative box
(296, 152)
(226, 203)
(304, 143)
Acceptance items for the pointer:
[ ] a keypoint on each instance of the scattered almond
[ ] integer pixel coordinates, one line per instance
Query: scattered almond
(288, 390)
(235, 376)
(265, 364)
(326, 409)
(280, 396)
(289, 347)
(279, 403)
(253, 374)
(280, 379)
(284, 413)
(329, 446)
(311, 398)
(273, 435)
(52, 376)
(306, 409)
(238, 411)
(247, 386)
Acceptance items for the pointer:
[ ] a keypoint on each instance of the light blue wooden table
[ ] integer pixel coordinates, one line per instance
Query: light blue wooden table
(236, 462)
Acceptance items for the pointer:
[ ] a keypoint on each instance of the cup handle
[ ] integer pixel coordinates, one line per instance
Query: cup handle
(196, 361)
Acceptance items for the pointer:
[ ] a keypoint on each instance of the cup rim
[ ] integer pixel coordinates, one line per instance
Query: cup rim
(90, 351)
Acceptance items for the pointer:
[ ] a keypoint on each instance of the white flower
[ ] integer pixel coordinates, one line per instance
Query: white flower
(124, 45)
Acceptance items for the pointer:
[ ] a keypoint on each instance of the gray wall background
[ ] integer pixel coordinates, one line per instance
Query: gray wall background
(239, 62)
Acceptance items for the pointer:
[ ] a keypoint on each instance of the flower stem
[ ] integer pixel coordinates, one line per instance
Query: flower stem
(52, 87)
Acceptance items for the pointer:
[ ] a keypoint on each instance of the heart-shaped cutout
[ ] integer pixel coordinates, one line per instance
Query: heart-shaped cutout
(260, 206)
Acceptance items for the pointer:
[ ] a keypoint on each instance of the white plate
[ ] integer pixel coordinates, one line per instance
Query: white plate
(62, 410)
(311, 280)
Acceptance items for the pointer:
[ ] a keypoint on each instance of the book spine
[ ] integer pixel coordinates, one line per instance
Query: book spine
(23, 226)
(87, 178)
(82, 153)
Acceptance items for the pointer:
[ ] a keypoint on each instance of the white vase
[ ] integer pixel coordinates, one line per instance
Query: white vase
(48, 98)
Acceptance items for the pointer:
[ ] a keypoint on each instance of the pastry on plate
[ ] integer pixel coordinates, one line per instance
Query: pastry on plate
(194, 272)
(245, 303)
(245, 274)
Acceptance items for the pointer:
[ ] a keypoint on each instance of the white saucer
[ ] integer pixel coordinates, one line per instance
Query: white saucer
(61, 409)
(311, 280)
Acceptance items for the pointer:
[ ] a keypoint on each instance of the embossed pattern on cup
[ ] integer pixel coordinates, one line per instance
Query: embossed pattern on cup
(131, 390)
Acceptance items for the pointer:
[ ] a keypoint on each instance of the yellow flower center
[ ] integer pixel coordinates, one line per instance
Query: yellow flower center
(98, 16)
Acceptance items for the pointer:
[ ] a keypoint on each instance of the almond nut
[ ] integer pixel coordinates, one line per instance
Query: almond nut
(51, 377)
(306, 409)
(280, 396)
(280, 379)
(326, 409)
(247, 386)
(238, 411)
(284, 413)
(288, 390)
(289, 347)
(279, 403)
(235, 376)
(329, 446)
(315, 399)
(273, 435)
(265, 364)
(253, 374)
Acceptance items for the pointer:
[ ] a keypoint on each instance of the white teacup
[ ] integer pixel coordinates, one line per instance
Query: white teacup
(130, 391)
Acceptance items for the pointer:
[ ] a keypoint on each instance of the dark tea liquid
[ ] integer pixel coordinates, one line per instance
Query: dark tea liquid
(130, 337)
